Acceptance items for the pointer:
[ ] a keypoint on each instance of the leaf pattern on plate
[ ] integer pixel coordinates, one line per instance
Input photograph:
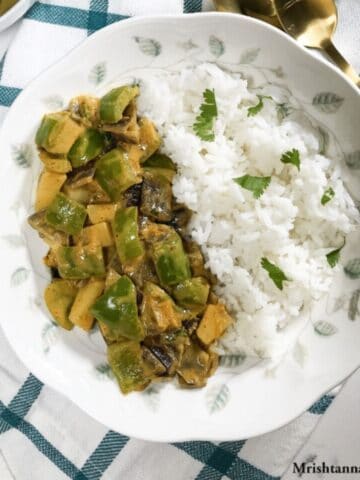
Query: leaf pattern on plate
(54, 102)
(352, 160)
(97, 73)
(148, 46)
(49, 336)
(217, 397)
(188, 45)
(249, 55)
(283, 110)
(13, 240)
(229, 361)
(354, 305)
(151, 397)
(104, 372)
(216, 46)
(325, 329)
(22, 155)
(352, 268)
(324, 139)
(19, 276)
(327, 102)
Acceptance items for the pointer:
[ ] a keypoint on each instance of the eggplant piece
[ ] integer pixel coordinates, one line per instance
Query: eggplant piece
(82, 176)
(158, 311)
(152, 366)
(127, 129)
(86, 296)
(85, 109)
(196, 366)
(156, 197)
(48, 233)
(101, 213)
(169, 348)
(132, 196)
(54, 163)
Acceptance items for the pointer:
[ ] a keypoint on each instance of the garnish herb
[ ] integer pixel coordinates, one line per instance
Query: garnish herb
(333, 257)
(252, 111)
(293, 157)
(256, 185)
(204, 123)
(275, 273)
(328, 195)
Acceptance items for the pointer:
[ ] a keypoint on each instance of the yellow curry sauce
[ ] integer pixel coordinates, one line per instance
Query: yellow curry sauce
(118, 249)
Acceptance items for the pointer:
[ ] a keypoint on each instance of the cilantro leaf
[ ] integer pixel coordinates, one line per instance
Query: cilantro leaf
(252, 111)
(276, 275)
(333, 257)
(256, 185)
(204, 123)
(328, 195)
(293, 157)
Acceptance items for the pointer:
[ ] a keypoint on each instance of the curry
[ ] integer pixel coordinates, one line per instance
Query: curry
(5, 5)
(119, 253)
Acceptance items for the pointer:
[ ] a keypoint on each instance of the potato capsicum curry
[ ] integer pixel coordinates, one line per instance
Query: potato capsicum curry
(119, 253)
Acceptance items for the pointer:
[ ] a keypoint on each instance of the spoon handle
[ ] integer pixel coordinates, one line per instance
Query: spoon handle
(340, 61)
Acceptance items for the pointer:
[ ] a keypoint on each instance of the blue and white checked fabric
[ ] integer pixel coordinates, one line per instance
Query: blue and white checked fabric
(43, 436)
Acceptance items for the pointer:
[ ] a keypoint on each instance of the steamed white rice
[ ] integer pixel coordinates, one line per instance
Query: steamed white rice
(288, 225)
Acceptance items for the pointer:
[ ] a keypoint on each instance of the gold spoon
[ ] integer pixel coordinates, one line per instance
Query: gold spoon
(312, 23)
(261, 9)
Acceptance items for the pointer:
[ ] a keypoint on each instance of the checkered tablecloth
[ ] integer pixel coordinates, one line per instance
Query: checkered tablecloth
(43, 436)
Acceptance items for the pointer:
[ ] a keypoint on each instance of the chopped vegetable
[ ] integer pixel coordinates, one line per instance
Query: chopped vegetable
(101, 213)
(59, 297)
(256, 185)
(87, 147)
(191, 292)
(65, 214)
(113, 104)
(213, 324)
(117, 308)
(126, 233)
(99, 234)
(126, 362)
(171, 262)
(328, 195)
(119, 251)
(292, 157)
(252, 111)
(49, 186)
(58, 132)
(80, 262)
(115, 174)
(80, 312)
(52, 163)
(275, 273)
(158, 310)
(150, 140)
(156, 197)
(204, 123)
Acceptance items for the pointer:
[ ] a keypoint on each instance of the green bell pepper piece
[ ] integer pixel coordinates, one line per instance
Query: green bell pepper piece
(194, 291)
(115, 173)
(160, 160)
(79, 262)
(66, 215)
(126, 233)
(113, 104)
(87, 147)
(126, 361)
(57, 133)
(171, 262)
(117, 309)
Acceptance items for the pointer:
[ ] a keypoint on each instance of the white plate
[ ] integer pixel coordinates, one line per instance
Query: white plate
(244, 398)
(14, 13)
